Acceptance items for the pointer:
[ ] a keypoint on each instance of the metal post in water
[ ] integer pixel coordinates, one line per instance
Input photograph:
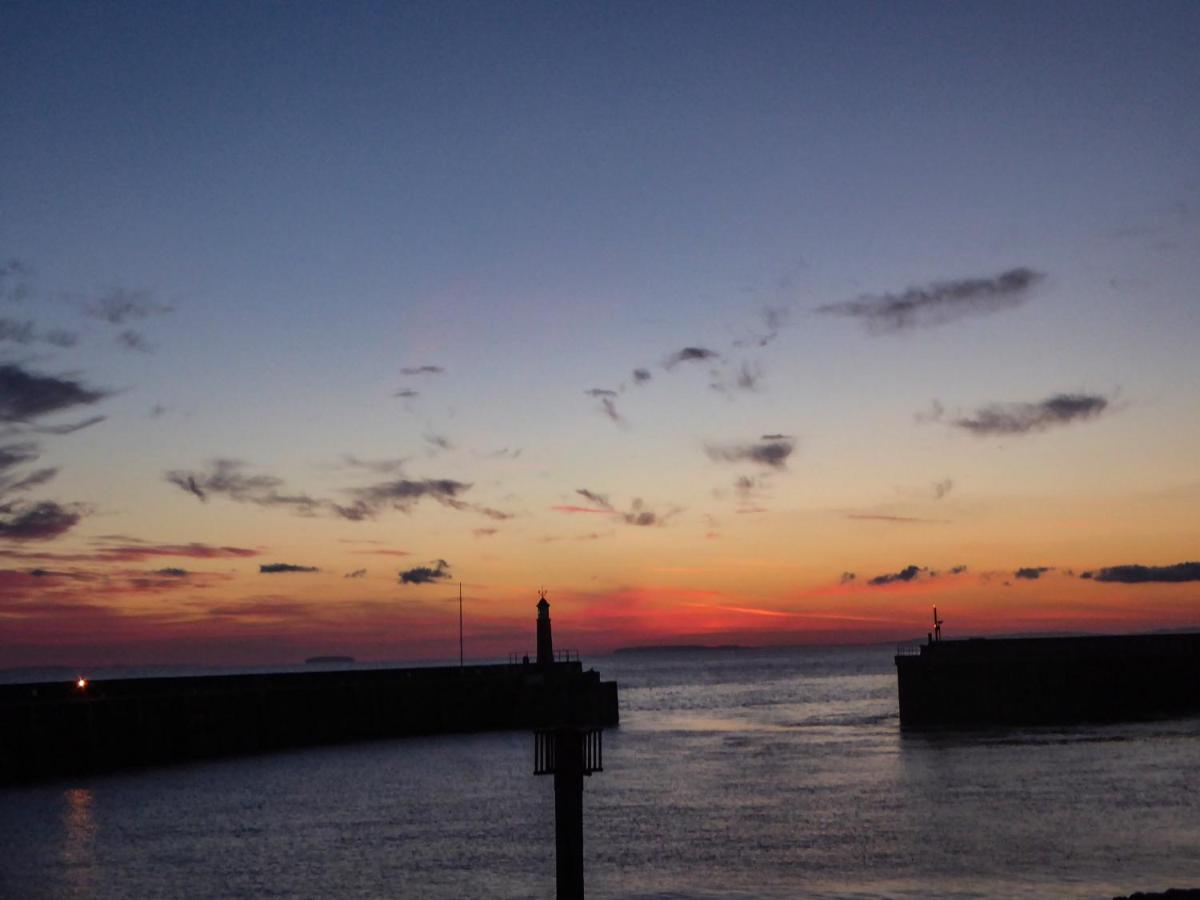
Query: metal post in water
(568, 753)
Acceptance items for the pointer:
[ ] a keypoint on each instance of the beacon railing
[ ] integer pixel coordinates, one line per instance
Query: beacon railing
(567, 655)
(909, 648)
(549, 743)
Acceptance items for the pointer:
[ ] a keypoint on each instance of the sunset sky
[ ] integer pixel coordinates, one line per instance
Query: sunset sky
(724, 323)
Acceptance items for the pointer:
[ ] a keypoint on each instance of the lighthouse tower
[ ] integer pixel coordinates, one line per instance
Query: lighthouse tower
(545, 644)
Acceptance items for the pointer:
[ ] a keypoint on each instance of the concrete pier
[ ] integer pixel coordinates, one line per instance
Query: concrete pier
(60, 728)
(1041, 681)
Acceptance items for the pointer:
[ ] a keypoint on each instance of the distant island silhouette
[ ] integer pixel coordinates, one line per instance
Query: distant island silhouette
(323, 660)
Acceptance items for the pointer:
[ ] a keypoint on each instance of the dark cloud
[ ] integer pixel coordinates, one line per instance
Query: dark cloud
(1032, 573)
(438, 570)
(121, 305)
(36, 521)
(422, 370)
(277, 568)
(908, 573)
(226, 477)
(134, 340)
(641, 376)
(957, 570)
(1023, 418)
(773, 453)
(441, 442)
(776, 437)
(640, 516)
(942, 488)
(600, 500)
(406, 394)
(600, 392)
(1137, 574)
(171, 572)
(357, 573)
(690, 354)
(937, 303)
(847, 577)
(26, 395)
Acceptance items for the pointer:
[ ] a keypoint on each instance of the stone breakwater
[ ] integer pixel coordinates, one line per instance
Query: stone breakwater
(62, 728)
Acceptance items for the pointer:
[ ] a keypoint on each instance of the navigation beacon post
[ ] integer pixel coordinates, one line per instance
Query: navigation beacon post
(568, 750)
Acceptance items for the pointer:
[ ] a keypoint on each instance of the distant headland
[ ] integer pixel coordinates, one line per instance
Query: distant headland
(325, 660)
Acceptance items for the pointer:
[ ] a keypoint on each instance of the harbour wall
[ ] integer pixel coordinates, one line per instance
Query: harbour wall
(54, 729)
(1041, 681)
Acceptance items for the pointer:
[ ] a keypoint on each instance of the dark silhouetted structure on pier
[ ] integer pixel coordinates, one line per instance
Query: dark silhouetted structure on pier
(56, 728)
(1036, 681)
(545, 643)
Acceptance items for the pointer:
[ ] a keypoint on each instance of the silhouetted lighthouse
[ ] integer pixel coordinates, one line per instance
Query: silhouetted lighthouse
(545, 644)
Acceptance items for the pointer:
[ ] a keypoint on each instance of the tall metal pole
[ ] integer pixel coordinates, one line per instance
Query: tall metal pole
(460, 630)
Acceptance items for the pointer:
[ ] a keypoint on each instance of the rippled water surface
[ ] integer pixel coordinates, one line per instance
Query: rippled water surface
(733, 774)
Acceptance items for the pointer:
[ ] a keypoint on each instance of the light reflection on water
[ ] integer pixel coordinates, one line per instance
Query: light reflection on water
(79, 827)
(735, 774)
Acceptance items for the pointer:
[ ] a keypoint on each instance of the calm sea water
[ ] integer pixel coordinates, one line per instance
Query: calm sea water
(734, 774)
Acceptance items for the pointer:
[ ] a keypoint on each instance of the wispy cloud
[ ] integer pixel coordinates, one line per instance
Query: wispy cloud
(942, 488)
(641, 376)
(357, 573)
(134, 340)
(609, 408)
(403, 494)
(884, 517)
(422, 370)
(14, 331)
(1024, 418)
(121, 305)
(938, 302)
(438, 570)
(129, 550)
(638, 514)
(228, 478)
(14, 281)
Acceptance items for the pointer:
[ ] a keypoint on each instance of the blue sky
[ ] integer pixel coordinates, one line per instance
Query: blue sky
(305, 199)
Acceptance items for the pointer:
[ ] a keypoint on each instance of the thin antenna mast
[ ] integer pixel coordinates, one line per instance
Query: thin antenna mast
(460, 630)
